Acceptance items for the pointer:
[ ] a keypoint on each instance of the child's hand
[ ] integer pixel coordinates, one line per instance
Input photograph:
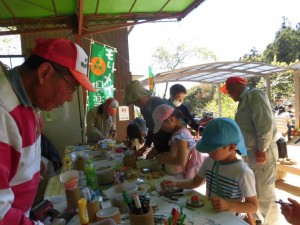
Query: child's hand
(141, 151)
(167, 183)
(161, 157)
(219, 204)
(291, 212)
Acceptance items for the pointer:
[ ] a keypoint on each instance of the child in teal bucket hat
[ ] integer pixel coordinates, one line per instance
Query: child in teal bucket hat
(230, 183)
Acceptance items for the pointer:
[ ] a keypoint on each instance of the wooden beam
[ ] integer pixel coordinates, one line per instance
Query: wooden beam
(80, 16)
(288, 169)
(162, 8)
(36, 5)
(8, 9)
(297, 96)
(97, 7)
(54, 7)
(133, 4)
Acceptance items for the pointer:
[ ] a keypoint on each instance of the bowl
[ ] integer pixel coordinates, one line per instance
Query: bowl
(111, 212)
(108, 221)
(117, 190)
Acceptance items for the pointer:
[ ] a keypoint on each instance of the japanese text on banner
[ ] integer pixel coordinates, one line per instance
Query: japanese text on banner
(101, 74)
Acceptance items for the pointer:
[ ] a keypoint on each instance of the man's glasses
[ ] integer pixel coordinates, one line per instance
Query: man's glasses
(64, 72)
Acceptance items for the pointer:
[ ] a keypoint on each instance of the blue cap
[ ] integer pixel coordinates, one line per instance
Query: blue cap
(221, 132)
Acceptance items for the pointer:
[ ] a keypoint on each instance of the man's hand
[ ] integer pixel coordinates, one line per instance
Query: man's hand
(112, 135)
(291, 212)
(219, 204)
(261, 157)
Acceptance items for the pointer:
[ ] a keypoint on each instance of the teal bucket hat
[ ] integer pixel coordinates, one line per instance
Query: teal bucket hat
(221, 132)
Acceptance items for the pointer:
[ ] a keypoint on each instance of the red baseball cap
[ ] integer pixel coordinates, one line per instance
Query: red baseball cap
(233, 80)
(111, 106)
(66, 53)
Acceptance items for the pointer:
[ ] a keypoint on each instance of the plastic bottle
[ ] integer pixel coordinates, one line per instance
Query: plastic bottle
(67, 163)
(83, 214)
(90, 175)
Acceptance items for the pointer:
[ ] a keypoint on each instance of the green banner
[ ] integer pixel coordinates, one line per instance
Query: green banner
(101, 74)
(151, 79)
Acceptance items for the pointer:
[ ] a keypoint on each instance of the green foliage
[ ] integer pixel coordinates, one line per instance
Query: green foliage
(228, 106)
(283, 51)
(10, 44)
(286, 46)
(198, 96)
(167, 58)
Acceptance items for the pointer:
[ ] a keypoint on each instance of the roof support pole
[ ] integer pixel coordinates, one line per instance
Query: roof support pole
(297, 97)
(219, 100)
(268, 84)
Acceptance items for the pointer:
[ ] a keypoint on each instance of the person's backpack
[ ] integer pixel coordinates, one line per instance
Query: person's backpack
(194, 163)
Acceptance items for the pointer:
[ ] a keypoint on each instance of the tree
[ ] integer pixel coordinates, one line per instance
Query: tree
(168, 58)
(10, 44)
(228, 106)
(286, 46)
(198, 96)
(284, 50)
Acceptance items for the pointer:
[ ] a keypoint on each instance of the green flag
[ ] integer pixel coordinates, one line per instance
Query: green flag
(151, 79)
(101, 74)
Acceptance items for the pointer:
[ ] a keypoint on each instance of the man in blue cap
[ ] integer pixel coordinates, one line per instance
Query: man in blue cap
(230, 183)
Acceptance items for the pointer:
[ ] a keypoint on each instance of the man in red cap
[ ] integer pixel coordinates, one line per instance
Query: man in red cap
(47, 79)
(255, 117)
(101, 121)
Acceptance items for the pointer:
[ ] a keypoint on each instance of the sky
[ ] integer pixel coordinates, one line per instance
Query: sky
(229, 28)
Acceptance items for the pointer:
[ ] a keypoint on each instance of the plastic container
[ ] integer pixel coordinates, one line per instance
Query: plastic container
(117, 190)
(69, 179)
(105, 175)
(108, 221)
(112, 212)
(79, 163)
(72, 198)
(90, 175)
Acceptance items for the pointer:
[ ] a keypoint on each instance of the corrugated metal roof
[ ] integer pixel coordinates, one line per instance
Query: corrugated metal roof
(216, 72)
(295, 66)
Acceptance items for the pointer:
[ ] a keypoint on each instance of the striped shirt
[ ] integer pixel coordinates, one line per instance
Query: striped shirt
(282, 121)
(20, 153)
(232, 180)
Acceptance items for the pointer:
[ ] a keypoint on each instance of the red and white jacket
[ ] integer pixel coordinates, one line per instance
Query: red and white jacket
(20, 156)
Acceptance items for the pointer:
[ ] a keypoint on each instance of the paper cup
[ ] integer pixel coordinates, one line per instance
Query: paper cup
(69, 179)
(147, 218)
(92, 208)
